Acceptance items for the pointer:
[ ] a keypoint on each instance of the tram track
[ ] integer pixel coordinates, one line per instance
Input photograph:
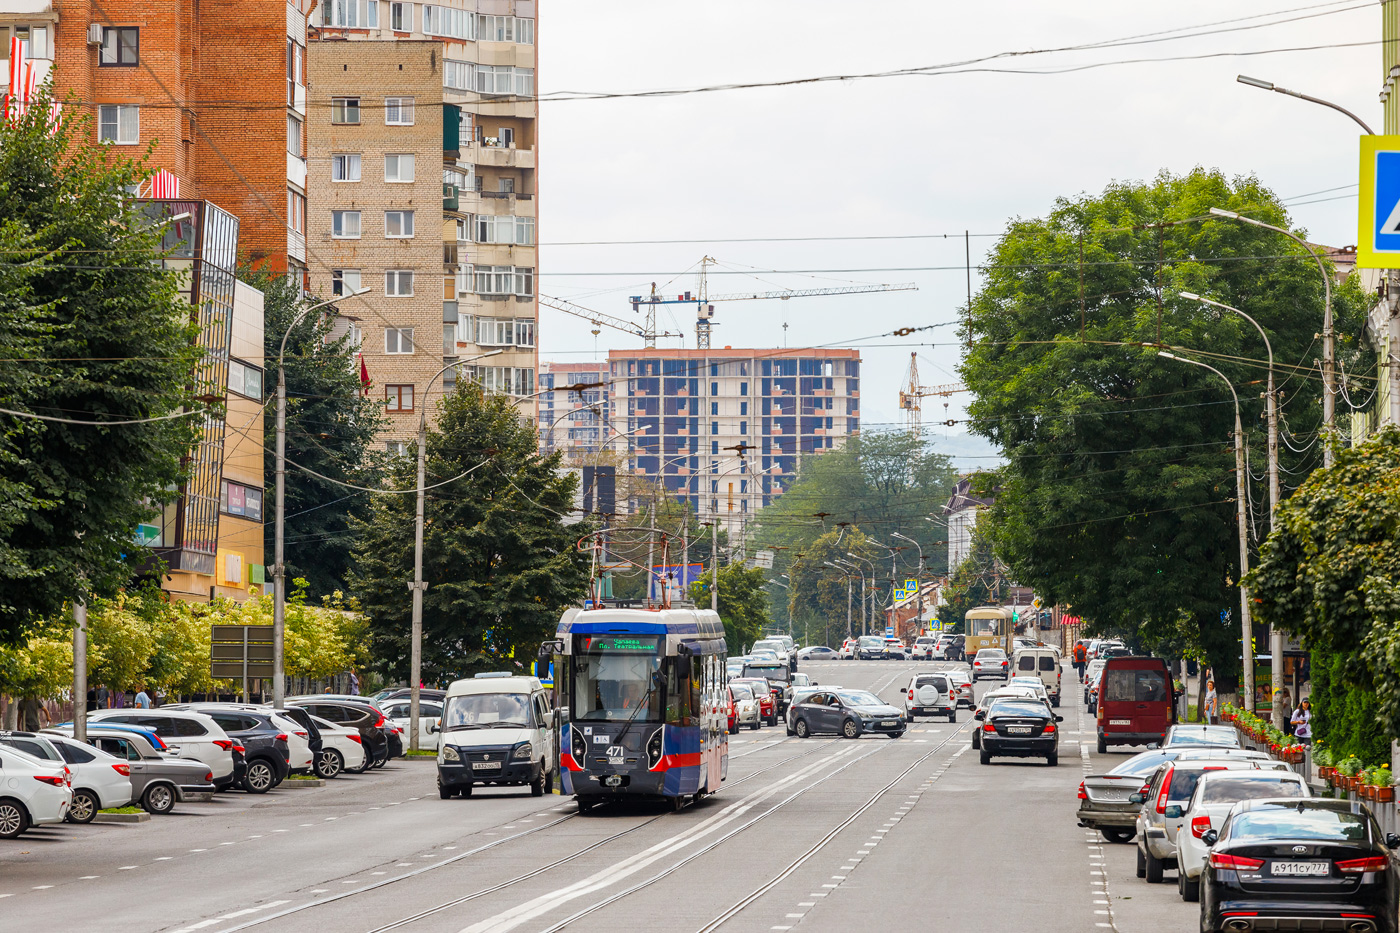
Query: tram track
(509, 882)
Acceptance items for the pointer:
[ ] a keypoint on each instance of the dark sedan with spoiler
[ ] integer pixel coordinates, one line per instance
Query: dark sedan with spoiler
(1019, 728)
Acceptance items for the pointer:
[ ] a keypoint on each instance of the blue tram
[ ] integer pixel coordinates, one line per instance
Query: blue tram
(639, 695)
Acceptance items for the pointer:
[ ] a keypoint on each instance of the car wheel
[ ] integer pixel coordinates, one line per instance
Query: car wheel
(381, 762)
(537, 786)
(985, 757)
(445, 793)
(260, 777)
(158, 799)
(1188, 888)
(1055, 702)
(953, 714)
(801, 729)
(894, 735)
(329, 764)
(977, 738)
(1052, 759)
(1103, 746)
(753, 726)
(84, 807)
(1153, 868)
(1117, 834)
(1141, 864)
(850, 729)
(14, 819)
(734, 729)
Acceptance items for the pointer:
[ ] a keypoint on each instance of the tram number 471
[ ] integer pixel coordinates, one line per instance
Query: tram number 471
(616, 755)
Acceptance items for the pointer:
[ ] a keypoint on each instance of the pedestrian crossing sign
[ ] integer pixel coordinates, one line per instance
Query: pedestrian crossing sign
(1378, 235)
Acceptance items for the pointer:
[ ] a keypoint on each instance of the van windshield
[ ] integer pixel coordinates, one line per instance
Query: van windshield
(486, 711)
(1129, 686)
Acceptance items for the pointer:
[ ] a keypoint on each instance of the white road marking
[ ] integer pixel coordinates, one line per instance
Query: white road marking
(89, 877)
(163, 858)
(126, 868)
(230, 916)
(42, 887)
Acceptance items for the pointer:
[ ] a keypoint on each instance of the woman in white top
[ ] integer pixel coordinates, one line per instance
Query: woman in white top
(1302, 722)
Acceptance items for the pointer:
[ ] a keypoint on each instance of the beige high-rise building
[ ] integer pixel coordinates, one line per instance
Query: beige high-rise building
(421, 151)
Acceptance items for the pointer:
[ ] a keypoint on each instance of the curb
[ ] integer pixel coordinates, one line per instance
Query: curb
(122, 818)
(314, 782)
(430, 759)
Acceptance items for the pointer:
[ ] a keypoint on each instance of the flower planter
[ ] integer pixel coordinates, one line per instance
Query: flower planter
(1366, 792)
(1385, 795)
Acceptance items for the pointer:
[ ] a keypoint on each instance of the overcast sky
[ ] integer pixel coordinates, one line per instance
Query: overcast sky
(905, 156)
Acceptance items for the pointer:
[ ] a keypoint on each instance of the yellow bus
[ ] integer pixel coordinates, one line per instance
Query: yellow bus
(988, 627)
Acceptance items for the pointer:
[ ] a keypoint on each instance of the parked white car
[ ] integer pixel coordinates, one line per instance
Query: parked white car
(429, 712)
(99, 780)
(187, 734)
(1216, 793)
(341, 749)
(33, 792)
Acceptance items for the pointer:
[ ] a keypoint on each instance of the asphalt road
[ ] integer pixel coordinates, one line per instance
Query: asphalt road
(820, 834)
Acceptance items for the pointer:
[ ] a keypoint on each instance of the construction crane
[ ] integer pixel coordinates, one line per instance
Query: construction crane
(911, 395)
(599, 320)
(705, 310)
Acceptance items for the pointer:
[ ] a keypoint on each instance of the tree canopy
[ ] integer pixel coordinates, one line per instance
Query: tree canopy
(743, 605)
(817, 597)
(103, 335)
(1118, 495)
(500, 565)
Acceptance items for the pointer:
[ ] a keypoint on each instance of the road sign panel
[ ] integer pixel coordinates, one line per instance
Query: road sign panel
(233, 670)
(1378, 234)
(233, 634)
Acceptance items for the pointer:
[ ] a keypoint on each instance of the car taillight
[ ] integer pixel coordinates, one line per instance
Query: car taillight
(1235, 862)
(1358, 866)
(988, 727)
(911, 694)
(123, 770)
(1049, 729)
(55, 779)
(1200, 825)
(1166, 787)
(240, 749)
(354, 737)
(1083, 795)
(281, 737)
(225, 744)
(208, 777)
(302, 734)
(380, 724)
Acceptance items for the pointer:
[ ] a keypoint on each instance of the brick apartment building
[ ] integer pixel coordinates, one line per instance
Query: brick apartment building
(422, 157)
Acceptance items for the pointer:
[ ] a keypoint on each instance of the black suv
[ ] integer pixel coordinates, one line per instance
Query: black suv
(373, 727)
(264, 744)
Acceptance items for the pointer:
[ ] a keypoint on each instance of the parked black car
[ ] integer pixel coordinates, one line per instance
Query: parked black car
(369, 720)
(1019, 729)
(264, 746)
(1291, 864)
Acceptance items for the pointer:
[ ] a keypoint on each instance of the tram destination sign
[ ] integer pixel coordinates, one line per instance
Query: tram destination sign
(622, 644)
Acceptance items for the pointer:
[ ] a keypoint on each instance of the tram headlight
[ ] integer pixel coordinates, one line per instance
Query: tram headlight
(523, 751)
(655, 746)
(577, 746)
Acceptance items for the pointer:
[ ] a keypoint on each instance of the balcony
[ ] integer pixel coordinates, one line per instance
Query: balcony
(451, 198)
(501, 156)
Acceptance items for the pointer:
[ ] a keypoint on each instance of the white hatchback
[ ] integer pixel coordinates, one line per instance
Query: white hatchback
(342, 749)
(32, 792)
(187, 734)
(99, 780)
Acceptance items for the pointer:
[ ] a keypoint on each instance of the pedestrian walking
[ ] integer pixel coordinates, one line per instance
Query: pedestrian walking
(1302, 722)
(1081, 659)
(142, 700)
(1212, 704)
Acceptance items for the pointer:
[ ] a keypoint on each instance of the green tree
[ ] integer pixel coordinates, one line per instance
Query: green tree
(884, 482)
(743, 606)
(1118, 496)
(331, 425)
(1330, 573)
(500, 565)
(117, 345)
(817, 598)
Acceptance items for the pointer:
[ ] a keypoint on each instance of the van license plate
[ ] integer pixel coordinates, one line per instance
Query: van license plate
(486, 765)
(1120, 722)
(1302, 869)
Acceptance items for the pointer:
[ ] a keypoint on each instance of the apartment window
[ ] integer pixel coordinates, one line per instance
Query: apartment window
(449, 22)
(240, 500)
(505, 79)
(743, 408)
(33, 41)
(245, 380)
(714, 426)
(398, 111)
(401, 17)
(461, 177)
(502, 332)
(714, 408)
(119, 124)
(505, 29)
(398, 167)
(345, 225)
(296, 211)
(120, 47)
(345, 281)
(505, 185)
(518, 231)
(398, 283)
(743, 388)
(396, 448)
(398, 340)
(398, 398)
(743, 427)
(506, 135)
(449, 339)
(345, 166)
(372, 14)
(714, 449)
(458, 75)
(346, 14)
(293, 135)
(345, 110)
(462, 231)
(398, 224)
(505, 280)
(296, 70)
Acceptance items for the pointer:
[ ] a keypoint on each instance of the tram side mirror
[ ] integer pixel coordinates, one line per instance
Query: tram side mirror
(1212, 836)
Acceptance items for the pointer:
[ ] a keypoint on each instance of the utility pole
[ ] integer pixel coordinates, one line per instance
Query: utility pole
(714, 562)
(80, 669)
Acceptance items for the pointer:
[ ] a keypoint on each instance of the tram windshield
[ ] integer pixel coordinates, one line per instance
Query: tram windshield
(613, 678)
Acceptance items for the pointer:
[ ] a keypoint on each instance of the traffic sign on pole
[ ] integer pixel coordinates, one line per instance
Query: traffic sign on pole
(1378, 234)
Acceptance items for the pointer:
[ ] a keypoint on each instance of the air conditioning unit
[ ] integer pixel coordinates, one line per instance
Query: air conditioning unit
(94, 34)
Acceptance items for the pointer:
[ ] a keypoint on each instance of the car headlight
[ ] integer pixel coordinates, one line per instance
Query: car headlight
(523, 752)
(450, 754)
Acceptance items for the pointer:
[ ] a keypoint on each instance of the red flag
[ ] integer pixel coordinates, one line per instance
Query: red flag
(165, 185)
(16, 80)
(364, 374)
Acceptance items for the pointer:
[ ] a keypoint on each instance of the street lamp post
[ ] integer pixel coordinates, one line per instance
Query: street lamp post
(1270, 86)
(279, 563)
(1275, 636)
(918, 577)
(1246, 628)
(847, 574)
(417, 586)
(1329, 350)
